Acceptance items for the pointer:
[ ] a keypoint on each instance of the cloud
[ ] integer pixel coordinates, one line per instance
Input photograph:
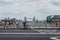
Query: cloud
(55, 2)
(28, 8)
(55, 6)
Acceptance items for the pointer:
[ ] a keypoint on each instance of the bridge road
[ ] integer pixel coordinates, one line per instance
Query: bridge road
(28, 33)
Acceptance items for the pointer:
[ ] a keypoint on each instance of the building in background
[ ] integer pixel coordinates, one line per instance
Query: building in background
(55, 19)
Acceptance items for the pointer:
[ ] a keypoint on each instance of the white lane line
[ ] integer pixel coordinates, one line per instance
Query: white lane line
(54, 38)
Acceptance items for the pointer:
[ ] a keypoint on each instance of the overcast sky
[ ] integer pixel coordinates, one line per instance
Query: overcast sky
(29, 8)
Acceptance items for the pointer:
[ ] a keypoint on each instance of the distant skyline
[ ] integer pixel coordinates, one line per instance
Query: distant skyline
(29, 8)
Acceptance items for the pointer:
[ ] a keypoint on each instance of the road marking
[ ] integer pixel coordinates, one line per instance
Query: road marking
(54, 38)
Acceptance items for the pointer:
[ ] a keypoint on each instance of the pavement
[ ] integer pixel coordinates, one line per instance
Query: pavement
(29, 33)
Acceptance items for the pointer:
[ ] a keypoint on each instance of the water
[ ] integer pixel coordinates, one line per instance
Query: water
(25, 38)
